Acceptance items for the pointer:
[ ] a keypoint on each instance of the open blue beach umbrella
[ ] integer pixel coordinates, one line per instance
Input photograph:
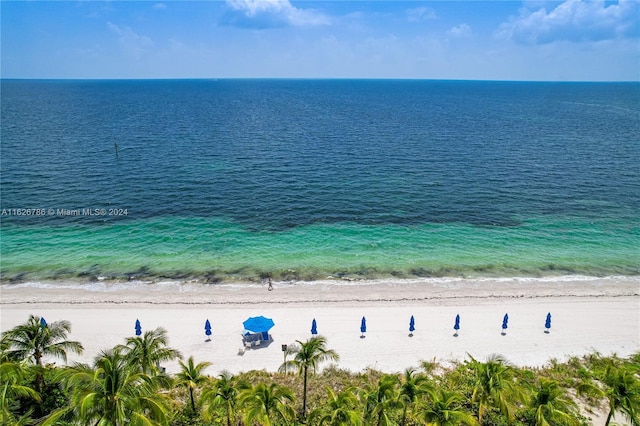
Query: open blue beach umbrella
(412, 324)
(43, 323)
(456, 326)
(505, 320)
(138, 328)
(314, 327)
(207, 328)
(363, 325)
(258, 324)
(547, 323)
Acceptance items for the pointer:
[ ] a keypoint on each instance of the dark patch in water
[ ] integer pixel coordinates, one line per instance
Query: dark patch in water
(176, 275)
(64, 273)
(15, 279)
(211, 277)
(422, 272)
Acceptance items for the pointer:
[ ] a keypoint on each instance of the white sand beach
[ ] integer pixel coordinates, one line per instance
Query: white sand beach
(588, 314)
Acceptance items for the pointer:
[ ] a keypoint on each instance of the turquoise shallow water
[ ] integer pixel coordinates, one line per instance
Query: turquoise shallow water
(214, 250)
(301, 180)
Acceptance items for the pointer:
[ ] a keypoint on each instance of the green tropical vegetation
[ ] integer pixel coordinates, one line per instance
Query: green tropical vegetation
(149, 350)
(13, 387)
(191, 376)
(494, 387)
(113, 391)
(339, 410)
(125, 385)
(220, 398)
(445, 408)
(308, 355)
(33, 340)
(268, 404)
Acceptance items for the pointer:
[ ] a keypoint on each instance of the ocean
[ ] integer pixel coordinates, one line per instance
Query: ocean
(240, 180)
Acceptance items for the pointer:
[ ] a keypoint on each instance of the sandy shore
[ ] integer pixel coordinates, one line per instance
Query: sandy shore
(589, 314)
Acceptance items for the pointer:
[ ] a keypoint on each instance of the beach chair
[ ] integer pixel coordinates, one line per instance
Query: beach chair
(246, 340)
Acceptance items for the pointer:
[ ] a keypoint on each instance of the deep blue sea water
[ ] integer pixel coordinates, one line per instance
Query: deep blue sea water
(304, 179)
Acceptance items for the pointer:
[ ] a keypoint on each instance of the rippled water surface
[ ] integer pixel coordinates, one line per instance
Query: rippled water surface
(304, 179)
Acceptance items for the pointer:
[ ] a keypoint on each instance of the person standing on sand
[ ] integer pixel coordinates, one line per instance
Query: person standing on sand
(270, 285)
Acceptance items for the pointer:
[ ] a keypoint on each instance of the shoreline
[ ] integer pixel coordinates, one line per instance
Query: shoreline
(589, 314)
(349, 275)
(321, 291)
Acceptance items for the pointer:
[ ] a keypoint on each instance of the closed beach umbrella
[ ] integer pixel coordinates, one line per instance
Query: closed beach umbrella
(43, 323)
(258, 324)
(412, 325)
(138, 328)
(207, 328)
(547, 323)
(505, 321)
(314, 327)
(363, 326)
(456, 326)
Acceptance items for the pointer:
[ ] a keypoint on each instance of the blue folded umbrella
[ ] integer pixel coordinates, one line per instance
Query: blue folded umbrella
(547, 323)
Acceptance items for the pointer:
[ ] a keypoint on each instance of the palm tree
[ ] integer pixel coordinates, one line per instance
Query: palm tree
(339, 410)
(113, 392)
(494, 386)
(12, 388)
(34, 340)
(308, 355)
(445, 409)
(379, 400)
(148, 351)
(412, 385)
(266, 404)
(191, 377)
(622, 389)
(223, 394)
(551, 404)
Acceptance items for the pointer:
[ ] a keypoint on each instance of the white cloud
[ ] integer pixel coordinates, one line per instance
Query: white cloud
(420, 14)
(272, 13)
(130, 40)
(574, 20)
(460, 31)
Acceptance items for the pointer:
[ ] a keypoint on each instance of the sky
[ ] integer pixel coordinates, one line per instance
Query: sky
(527, 40)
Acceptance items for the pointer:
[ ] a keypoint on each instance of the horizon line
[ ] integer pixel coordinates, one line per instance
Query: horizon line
(308, 79)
